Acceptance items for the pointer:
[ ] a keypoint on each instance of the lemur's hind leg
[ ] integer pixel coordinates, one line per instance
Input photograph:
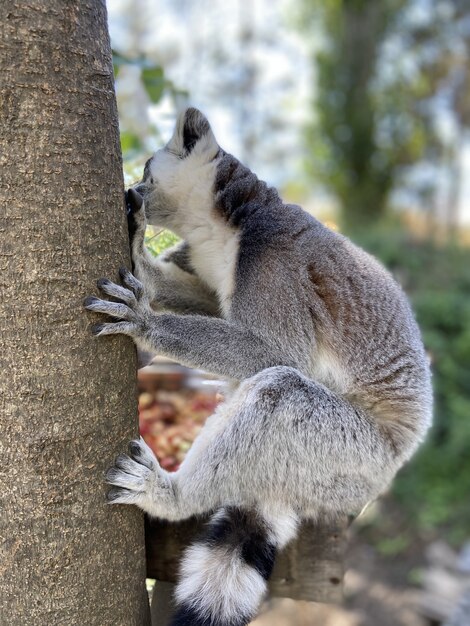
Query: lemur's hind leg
(281, 439)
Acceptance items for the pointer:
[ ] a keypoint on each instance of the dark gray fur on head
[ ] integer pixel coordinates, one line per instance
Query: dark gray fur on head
(239, 192)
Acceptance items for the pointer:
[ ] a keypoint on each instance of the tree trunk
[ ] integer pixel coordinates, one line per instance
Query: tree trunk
(68, 401)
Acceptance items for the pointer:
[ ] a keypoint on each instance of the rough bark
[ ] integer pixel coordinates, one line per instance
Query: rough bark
(68, 402)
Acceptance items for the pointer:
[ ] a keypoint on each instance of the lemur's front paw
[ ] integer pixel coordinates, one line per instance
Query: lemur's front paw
(138, 478)
(133, 309)
(136, 220)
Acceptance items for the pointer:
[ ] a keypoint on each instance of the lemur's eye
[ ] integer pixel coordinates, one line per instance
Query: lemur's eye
(151, 180)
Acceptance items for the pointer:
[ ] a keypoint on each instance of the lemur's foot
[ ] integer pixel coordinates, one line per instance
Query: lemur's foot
(133, 311)
(138, 479)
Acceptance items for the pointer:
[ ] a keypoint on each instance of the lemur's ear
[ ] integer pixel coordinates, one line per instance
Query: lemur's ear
(193, 132)
(195, 126)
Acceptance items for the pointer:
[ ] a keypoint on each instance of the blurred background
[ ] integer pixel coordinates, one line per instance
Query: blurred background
(359, 110)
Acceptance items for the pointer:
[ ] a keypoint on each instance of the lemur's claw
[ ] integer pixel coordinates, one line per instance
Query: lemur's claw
(89, 301)
(118, 495)
(123, 271)
(131, 282)
(134, 201)
(102, 282)
(127, 305)
(142, 454)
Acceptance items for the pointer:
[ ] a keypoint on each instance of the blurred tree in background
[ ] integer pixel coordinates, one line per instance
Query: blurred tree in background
(380, 66)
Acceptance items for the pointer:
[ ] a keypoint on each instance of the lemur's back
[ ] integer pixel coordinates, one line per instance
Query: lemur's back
(365, 343)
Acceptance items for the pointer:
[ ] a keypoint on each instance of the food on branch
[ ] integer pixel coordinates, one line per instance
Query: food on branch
(174, 403)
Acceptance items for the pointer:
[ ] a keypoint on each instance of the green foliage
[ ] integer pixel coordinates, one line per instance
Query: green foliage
(415, 576)
(152, 75)
(157, 241)
(118, 61)
(435, 485)
(155, 82)
(392, 545)
(130, 143)
(133, 147)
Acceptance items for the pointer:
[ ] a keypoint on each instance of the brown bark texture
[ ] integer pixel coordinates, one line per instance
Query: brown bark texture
(67, 400)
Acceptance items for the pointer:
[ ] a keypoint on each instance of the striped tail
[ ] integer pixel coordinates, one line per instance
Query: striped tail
(224, 575)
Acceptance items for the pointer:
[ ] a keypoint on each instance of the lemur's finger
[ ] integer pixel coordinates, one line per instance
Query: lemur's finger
(118, 478)
(131, 467)
(118, 328)
(115, 309)
(131, 281)
(125, 463)
(118, 495)
(142, 454)
(116, 291)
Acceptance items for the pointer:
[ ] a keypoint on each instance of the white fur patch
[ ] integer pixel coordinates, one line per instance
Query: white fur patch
(283, 526)
(188, 184)
(214, 245)
(217, 583)
(329, 372)
(214, 254)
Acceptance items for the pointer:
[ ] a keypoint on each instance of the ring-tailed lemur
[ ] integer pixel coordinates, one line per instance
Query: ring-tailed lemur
(334, 389)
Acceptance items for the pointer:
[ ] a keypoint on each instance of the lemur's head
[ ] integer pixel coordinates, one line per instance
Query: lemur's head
(178, 180)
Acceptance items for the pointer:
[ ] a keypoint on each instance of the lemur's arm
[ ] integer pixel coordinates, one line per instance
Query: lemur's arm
(169, 280)
(170, 283)
(230, 349)
(216, 345)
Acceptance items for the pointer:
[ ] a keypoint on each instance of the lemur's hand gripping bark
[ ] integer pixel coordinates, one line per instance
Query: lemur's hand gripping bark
(133, 311)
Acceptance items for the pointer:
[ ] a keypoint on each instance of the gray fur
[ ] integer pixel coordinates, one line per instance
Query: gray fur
(180, 255)
(334, 387)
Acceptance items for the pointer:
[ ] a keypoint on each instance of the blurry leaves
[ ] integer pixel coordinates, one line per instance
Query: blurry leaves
(139, 134)
(118, 61)
(343, 135)
(415, 576)
(154, 82)
(393, 545)
(130, 142)
(152, 76)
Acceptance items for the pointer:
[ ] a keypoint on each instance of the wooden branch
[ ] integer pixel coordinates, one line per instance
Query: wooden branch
(310, 568)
